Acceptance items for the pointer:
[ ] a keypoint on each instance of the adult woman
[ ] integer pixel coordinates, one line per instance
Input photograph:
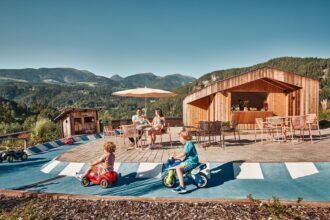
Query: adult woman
(158, 123)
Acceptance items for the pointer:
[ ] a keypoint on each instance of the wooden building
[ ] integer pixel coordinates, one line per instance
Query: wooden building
(264, 92)
(75, 121)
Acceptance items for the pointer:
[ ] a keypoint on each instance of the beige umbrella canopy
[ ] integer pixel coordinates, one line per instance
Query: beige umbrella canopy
(145, 93)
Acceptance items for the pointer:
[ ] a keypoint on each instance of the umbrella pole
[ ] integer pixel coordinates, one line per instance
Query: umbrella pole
(145, 105)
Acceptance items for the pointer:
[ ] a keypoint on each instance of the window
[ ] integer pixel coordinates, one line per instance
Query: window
(89, 119)
(252, 100)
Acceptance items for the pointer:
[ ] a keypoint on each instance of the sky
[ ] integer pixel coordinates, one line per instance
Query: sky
(191, 37)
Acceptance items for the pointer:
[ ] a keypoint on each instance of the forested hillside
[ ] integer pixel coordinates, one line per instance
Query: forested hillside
(81, 95)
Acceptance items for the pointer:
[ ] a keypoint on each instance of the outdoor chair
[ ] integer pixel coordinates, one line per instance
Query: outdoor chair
(232, 128)
(130, 131)
(298, 123)
(109, 132)
(277, 124)
(263, 127)
(215, 129)
(203, 130)
(165, 130)
(312, 122)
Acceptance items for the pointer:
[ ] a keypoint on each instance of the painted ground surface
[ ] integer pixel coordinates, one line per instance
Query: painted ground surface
(227, 180)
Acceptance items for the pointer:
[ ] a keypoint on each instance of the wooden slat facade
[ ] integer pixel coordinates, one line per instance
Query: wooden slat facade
(288, 94)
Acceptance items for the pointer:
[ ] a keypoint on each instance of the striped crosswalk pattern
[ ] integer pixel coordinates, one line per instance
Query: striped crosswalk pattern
(71, 169)
(149, 170)
(91, 137)
(51, 165)
(301, 169)
(54, 144)
(116, 166)
(77, 139)
(42, 147)
(247, 171)
(242, 171)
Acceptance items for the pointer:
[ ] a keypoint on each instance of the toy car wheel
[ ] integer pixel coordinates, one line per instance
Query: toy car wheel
(168, 184)
(104, 183)
(24, 156)
(85, 181)
(10, 159)
(204, 181)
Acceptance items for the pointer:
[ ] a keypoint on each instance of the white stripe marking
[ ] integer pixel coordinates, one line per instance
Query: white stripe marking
(28, 152)
(301, 169)
(71, 169)
(42, 147)
(50, 166)
(116, 167)
(54, 144)
(149, 170)
(76, 139)
(91, 137)
(248, 171)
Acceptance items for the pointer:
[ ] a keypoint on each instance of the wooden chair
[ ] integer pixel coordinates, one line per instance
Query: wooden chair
(231, 129)
(109, 132)
(203, 129)
(130, 131)
(277, 124)
(165, 130)
(313, 122)
(215, 129)
(298, 123)
(262, 126)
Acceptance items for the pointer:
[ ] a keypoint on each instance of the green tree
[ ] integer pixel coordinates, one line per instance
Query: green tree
(45, 130)
(106, 117)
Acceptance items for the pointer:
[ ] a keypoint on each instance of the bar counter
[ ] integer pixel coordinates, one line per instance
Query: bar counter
(249, 117)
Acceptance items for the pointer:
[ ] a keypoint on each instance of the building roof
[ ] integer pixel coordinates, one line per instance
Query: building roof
(267, 73)
(66, 111)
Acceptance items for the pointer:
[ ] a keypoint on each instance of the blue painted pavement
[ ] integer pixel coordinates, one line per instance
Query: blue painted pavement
(236, 179)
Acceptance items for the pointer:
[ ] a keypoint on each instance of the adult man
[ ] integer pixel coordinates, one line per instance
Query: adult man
(140, 121)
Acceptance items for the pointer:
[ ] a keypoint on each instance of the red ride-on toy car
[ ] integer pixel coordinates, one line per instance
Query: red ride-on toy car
(68, 141)
(104, 180)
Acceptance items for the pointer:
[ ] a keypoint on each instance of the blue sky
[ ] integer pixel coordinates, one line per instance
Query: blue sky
(164, 37)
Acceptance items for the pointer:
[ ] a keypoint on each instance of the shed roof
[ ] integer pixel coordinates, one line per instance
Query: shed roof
(69, 110)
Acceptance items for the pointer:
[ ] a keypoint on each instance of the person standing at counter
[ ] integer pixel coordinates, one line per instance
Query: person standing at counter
(241, 104)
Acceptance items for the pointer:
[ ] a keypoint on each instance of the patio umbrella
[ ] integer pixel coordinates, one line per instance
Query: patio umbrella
(145, 93)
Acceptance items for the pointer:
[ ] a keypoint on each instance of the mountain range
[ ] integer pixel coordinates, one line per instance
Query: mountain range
(63, 87)
(70, 76)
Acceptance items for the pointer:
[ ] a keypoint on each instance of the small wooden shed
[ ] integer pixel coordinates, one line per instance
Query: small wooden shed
(74, 121)
(265, 92)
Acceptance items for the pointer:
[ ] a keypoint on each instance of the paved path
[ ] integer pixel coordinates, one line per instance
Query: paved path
(227, 180)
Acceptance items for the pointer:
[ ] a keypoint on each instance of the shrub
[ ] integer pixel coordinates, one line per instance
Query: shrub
(44, 130)
(9, 128)
(106, 117)
(277, 210)
(29, 123)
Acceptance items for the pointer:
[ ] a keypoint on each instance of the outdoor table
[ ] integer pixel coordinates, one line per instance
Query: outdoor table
(279, 122)
(145, 130)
